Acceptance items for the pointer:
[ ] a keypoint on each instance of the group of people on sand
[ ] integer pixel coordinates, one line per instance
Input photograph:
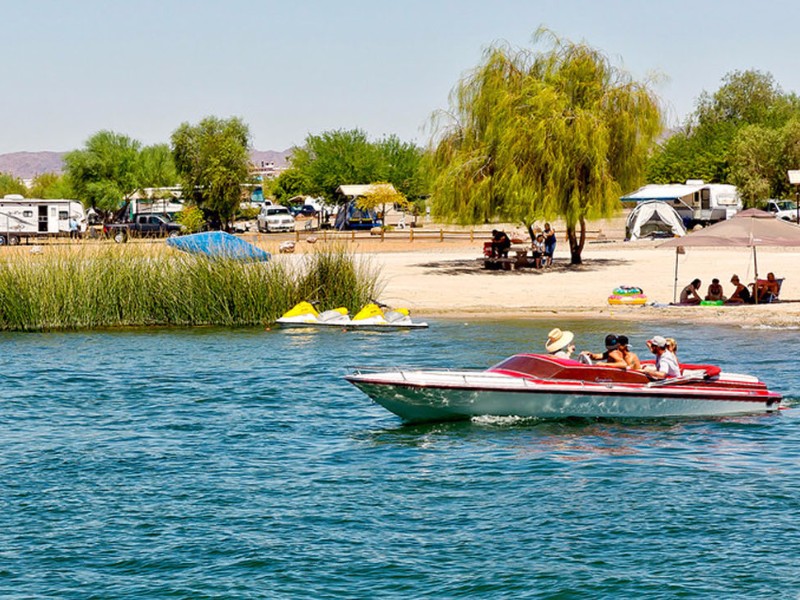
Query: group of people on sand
(618, 353)
(766, 291)
(543, 247)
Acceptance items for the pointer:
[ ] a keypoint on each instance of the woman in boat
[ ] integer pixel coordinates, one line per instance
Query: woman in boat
(672, 346)
(631, 359)
(559, 343)
(612, 357)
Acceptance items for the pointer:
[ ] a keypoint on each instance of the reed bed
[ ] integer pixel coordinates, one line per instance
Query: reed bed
(104, 286)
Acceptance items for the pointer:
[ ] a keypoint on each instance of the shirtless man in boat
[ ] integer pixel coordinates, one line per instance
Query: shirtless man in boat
(631, 359)
(666, 361)
(612, 357)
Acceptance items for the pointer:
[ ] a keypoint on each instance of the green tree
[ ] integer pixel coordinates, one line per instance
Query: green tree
(288, 184)
(334, 158)
(191, 217)
(755, 159)
(155, 167)
(104, 172)
(341, 157)
(51, 185)
(212, 161)
(402, 166)
(11, 185)
(702, 148)
(540, 135)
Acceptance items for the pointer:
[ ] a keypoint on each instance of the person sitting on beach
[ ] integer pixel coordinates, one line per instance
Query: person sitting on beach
(612, 357)
(689, 294)
(500, 244)
(740, 295)
(630, 357)
(715, 292)
(666, 362)
(559, 343)
(768, 290)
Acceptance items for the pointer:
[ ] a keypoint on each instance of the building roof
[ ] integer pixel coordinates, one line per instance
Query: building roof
(672, 191)
(354, 191)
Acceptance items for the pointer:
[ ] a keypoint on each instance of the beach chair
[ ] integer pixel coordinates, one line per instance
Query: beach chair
(768, 297)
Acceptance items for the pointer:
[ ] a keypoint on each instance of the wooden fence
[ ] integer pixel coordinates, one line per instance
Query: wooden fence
(412, 233)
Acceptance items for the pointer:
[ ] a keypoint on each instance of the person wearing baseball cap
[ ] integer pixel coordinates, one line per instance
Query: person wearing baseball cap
(666, 361)
(612, 357)
(631, 359)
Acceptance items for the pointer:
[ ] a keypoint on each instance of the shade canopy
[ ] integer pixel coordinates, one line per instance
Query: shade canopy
(748, 229)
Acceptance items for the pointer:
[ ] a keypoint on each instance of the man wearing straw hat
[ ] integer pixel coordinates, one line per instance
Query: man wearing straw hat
(559, 343)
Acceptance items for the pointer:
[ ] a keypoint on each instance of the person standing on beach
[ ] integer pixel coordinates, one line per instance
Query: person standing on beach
(549, 244)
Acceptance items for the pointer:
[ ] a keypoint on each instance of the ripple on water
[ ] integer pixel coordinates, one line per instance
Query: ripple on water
(210, 463)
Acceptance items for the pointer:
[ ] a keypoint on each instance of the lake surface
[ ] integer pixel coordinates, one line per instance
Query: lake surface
(238, 464)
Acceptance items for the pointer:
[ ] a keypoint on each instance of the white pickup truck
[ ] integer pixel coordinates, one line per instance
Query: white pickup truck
(783, 209)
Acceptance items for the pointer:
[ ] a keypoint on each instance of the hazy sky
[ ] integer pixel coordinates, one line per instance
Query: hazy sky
(141, 67)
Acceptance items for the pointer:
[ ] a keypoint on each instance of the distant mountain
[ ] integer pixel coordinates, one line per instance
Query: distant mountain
(281, 159)
(27, 165)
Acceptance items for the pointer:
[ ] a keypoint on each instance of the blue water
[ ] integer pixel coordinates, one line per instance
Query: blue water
(238, 464)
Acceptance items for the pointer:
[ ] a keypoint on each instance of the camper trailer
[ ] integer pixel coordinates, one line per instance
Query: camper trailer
(695, 201)
(24, 218)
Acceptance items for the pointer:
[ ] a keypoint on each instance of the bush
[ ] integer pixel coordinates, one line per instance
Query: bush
(191, 218)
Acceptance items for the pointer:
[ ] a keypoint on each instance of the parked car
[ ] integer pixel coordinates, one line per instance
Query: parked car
(783, 209)
(144, 225)
(275, 218)
(306, 210)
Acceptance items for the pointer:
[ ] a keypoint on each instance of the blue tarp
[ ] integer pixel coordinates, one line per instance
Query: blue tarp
(218, 244)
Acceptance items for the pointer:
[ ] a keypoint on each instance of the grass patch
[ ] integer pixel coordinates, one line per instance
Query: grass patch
(84, 287)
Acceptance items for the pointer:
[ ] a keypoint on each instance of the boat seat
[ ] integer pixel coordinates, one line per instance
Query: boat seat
(540, 366)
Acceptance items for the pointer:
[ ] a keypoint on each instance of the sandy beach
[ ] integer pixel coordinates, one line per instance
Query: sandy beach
(448, 279)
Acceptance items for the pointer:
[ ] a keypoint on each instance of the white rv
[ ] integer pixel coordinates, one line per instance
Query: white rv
(695, 201)
(31, 217)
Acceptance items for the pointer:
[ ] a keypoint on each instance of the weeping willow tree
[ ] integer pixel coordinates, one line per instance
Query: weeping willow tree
(542, 135)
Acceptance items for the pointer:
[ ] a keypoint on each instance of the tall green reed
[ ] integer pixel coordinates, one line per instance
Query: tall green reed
(109, 286)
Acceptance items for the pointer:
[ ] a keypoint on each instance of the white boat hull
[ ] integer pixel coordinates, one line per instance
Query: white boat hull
(419, 396)
(350, 324)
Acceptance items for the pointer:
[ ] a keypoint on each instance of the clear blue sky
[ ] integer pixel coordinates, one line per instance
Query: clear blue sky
(295, 67)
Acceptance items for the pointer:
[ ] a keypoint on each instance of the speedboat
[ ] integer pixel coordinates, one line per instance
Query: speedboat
(371, 316)
(542, 386)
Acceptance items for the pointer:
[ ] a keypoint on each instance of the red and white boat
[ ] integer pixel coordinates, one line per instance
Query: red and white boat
(536, 385)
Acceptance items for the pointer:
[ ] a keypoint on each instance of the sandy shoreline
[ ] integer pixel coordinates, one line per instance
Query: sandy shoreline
(450, 281)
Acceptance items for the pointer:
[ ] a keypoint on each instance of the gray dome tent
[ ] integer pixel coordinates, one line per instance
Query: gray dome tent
(653, 218)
